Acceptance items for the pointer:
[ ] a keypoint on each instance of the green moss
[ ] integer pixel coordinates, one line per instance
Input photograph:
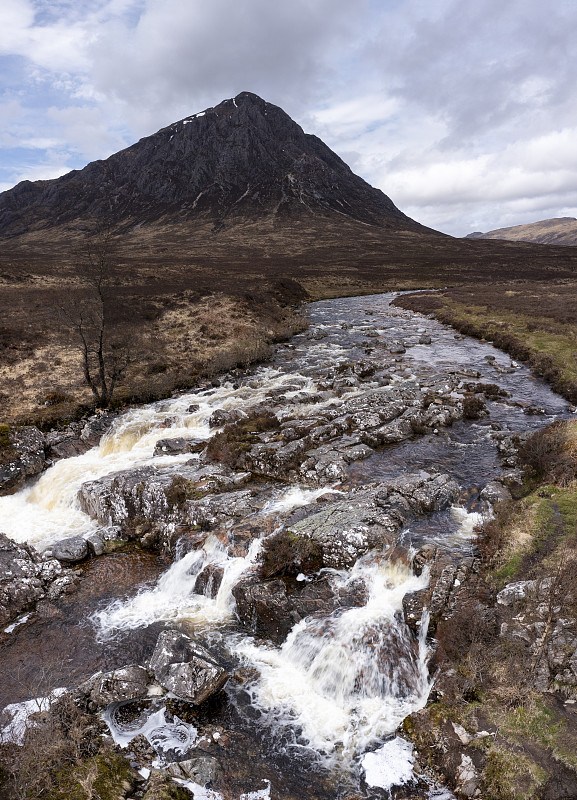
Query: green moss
(107, 776)
(541, 725)
(511, 776)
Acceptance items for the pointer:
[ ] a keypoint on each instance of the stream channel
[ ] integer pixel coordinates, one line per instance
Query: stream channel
(370, 405)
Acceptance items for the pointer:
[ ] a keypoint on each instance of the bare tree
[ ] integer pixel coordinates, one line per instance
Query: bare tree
(93, 316)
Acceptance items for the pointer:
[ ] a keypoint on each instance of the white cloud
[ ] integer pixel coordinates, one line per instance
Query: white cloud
(464, 113)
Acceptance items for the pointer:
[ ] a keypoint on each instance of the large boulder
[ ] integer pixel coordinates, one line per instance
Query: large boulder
(158, 494)
(186, 668)
(369, 518)
(271, 608)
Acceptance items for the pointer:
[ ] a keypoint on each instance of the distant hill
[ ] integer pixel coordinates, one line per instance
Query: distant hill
(559, 231)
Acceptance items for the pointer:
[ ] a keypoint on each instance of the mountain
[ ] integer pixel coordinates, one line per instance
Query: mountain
(243, 160)
(558, 231)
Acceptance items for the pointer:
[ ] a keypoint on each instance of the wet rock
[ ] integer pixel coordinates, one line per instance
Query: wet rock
(425, 339)
(397, 347)
(208, 580)
(23, 457)
(126, 683)
(271, 608)
(449, 577)
(70, 550)
(105, 540)
(203, 770)
(184, 667)
(25, 577)
(180, 444)
(264, 608)
(78, 437)
(221, 417)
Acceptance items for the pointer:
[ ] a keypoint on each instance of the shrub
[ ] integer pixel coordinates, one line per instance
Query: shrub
(473, 407)
(547, 455)
(287, 553)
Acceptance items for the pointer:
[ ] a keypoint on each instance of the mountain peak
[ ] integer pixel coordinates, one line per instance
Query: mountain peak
(241, 160)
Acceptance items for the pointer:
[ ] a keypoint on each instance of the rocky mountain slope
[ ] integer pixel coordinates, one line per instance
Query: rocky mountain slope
(559, 231)
(245, 159)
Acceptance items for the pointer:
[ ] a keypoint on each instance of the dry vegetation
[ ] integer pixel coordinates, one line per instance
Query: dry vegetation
(198, 302)
(489, 679)
(177, 338)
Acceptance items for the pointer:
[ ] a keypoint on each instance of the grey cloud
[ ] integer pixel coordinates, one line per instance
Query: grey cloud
(181, 57)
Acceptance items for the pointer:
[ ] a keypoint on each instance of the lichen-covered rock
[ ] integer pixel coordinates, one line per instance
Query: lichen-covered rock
(127, 683)
(154, 493)
(24, 457)
(186, 668)
(368, 518)
(25, 577)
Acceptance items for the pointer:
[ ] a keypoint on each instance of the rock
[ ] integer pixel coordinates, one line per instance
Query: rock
(70, 550)
(25, 577)
(468, 782)
(184, 667)
(208, 580)
(126, 683)
(24, 456)
(264, 608)
(514, 592)
(158, 494)
(425, 339)
(270, 609)
(180, 444)
(397, 347)
(494, 492)
(203, 770)
(105, 540)
(368, 518)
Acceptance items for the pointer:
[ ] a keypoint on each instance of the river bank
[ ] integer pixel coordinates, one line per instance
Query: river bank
(535, 323)
(299, 518)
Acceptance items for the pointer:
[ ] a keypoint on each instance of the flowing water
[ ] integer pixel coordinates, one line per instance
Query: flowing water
(317, 715)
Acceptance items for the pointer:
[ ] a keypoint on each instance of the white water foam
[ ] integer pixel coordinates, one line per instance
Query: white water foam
(48, 509)
(173, 598)
(390, 765)
(347, 680)
(176, 737)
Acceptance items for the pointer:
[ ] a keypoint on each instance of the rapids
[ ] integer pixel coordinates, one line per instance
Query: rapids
(320, 710)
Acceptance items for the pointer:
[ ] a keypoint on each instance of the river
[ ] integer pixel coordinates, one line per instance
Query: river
(314, 715)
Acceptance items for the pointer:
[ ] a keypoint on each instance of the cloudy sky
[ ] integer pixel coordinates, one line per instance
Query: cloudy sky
(463, 111)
